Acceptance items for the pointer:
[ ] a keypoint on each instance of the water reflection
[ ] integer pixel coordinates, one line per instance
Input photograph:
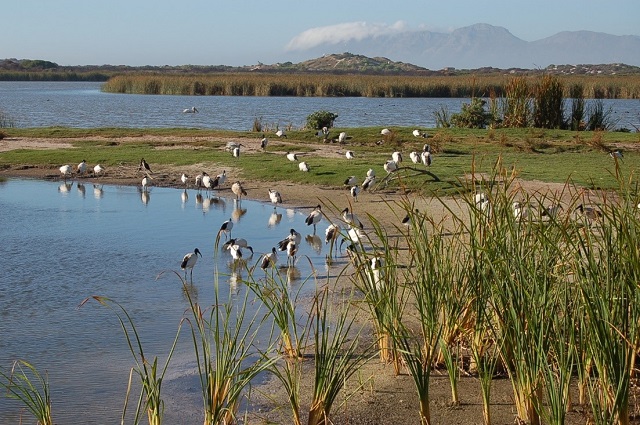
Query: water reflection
(98, 192)
(293, 275)
(81, 189)
(314, 242)
(124, 267)
(65, 187)
(274, 219)
(145, 196)
(238, 211)
(184, 197)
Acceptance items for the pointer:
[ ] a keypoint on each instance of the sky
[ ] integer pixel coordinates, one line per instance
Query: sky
(246, 32)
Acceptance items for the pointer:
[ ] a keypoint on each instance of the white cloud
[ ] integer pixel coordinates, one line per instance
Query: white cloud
(339, 33)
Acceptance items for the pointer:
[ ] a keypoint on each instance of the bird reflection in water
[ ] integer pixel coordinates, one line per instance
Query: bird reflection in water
(293, 275)
(199, 200)
(97, 191)
(235, 278)
(65, 187)
(274, 219)
(315, 242)
(145, 196)
(190, 291)
(81, 189)
(238, 211)
(184, 196)
(291, 214)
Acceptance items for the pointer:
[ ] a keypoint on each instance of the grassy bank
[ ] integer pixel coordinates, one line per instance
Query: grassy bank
(547, 155)
(244, 84)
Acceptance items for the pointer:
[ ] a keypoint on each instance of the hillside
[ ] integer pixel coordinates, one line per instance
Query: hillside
(343, 63)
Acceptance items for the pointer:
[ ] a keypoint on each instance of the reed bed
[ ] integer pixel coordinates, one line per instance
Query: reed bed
(318, 85)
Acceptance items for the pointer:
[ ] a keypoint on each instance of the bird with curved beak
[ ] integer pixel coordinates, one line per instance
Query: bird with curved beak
(189, 261)
(314, 217)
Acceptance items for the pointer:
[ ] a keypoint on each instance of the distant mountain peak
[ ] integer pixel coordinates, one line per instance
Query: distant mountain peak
(484, 45)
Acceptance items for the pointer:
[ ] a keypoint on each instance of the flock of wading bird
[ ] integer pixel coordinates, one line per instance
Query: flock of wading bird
(350, 227)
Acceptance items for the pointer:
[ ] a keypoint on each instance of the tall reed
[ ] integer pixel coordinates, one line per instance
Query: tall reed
(31, 388)
(223, 339)
(283, 307)
(337, 353)
(151, 379)
(376, 276)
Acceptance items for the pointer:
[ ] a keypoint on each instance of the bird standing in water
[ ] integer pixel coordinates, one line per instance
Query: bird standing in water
(189, 261)
(314, 218)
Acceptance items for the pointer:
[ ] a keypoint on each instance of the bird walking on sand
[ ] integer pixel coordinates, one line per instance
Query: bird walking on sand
(65, 170)
(82, 168)
(275, 197)
(98, 170)
(189, 261)
(355, 191)
(144, 166)
(264, 142)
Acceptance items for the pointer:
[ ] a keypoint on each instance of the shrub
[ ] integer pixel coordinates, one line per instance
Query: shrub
(472, 115)
(320, 119)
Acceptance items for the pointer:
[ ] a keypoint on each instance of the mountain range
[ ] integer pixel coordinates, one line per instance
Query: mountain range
(484, 45)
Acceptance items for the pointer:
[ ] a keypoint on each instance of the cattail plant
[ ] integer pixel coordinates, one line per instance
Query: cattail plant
(31, 388)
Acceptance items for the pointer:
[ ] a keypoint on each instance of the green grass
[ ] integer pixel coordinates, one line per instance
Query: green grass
(547, 155)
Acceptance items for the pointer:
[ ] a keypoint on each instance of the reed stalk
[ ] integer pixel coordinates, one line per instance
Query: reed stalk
(223, 340)
(25, 384)
(150, 399)
(337, 354)
(607, 268)
(282, 306)
(383, 294)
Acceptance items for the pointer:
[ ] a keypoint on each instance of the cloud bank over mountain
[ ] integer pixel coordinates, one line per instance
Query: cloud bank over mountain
(475, 46)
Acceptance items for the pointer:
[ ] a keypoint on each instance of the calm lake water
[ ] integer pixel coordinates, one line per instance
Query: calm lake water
(73, 104)
(63, 243)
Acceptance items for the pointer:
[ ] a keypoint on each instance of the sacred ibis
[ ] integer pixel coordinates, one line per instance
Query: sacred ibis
(189, 261)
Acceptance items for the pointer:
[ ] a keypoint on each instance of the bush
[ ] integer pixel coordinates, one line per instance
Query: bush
(320, 119)
(472, 115)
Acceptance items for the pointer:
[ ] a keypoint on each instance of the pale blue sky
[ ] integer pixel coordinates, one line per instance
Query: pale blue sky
(245, 32)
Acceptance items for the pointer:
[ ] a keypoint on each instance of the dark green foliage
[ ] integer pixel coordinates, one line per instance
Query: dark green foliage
(472, 115)
(576, 92)
(320, 119)
(599, 118)
(548, 103)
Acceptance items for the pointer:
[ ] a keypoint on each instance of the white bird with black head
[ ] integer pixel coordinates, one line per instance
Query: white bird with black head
(314, 217)
(269, 260)
(275, 197)
(189, 261)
